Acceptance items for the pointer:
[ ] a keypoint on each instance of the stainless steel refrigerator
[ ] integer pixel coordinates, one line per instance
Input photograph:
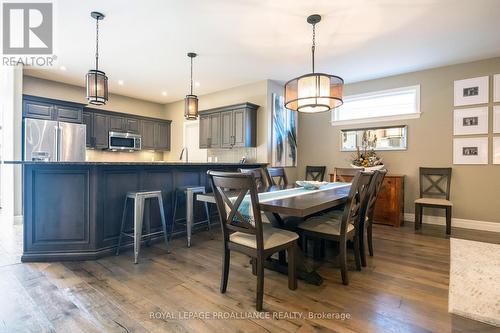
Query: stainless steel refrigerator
(52, 141)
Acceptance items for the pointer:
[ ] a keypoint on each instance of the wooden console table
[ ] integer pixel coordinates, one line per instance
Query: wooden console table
(389, 208)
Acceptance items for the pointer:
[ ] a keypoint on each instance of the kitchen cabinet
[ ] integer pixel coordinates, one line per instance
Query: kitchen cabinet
(162, 136)
(51, 109)
(100, 130)
(148, 134)
(229, 126)
(87, 120)
(116, 124)
(210, 131)
(132, 125)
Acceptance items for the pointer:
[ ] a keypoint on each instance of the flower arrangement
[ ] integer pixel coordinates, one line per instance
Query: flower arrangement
(366, 157)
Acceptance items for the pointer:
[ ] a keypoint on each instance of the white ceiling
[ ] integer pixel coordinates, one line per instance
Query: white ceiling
(144, 43)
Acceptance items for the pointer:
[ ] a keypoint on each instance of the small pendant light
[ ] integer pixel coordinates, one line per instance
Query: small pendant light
(314, 92)
(191, 101)
(96, 81)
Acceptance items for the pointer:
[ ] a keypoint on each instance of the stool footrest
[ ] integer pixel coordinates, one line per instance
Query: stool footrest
(143, 236)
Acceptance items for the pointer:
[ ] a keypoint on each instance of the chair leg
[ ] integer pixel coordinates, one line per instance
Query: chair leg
(163, 221)
(343, 261)
(254, 266)
(304, 244)
(225, 270)
(292, 267)
(138, 217)
(417, 216)
(448, 220)
(122, 227)
(361, 242)
(207, 211)
(322, 248)
(282, 257)
(260, 284)
(369, 235)
(357, 252)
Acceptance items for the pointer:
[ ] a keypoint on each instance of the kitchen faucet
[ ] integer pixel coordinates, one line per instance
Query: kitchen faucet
(182, 153)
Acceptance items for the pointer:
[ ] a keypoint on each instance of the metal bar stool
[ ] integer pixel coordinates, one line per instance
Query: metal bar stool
(140, 198)
(189, 192)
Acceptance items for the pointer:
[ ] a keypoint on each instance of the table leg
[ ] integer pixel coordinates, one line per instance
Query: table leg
(304, 270)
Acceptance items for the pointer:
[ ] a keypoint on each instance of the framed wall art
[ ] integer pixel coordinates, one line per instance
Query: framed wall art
(470, 121)
(284, 134)
(496, 119)
(496, 88)
(496, 150)
(470, 150)
(471, 91)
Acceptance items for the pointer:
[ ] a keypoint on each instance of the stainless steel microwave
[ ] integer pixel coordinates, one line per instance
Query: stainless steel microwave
(124, 141)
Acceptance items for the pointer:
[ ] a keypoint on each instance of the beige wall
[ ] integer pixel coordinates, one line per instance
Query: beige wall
(474, 190)
(256, 93)
(118, 103)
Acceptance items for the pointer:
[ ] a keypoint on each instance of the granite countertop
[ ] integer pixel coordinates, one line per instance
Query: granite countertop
(180, 163)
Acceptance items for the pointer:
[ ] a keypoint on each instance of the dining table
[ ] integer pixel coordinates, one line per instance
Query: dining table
(285, 206)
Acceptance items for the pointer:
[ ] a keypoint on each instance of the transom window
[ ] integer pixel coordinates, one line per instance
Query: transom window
(393, 104)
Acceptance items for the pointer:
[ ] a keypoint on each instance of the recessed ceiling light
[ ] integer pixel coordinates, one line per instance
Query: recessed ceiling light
(120, 82)
(63, 68)
(197, 84)
(164, 93)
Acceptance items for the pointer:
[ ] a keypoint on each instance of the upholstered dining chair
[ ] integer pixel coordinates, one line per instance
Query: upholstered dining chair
(434, 192)
(277, 176)
(315, 173)
(243, 230)
(338, 173)
(260, 176)
(344, 227)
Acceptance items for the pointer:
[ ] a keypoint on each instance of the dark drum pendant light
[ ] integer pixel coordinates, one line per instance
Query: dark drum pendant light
(191, 101)
(96, 81)
(314, 92)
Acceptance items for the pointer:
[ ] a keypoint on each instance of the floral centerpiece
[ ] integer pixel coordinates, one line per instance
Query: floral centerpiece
(365, 156)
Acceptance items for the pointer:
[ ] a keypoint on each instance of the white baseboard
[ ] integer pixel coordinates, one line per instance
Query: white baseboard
(18, 219)
(458, 223)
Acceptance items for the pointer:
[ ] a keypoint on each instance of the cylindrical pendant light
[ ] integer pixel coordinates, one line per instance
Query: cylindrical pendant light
(191, 101)
(314, 92)
(96, 81)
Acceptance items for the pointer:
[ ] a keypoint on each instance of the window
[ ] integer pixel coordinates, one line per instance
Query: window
(394, 104)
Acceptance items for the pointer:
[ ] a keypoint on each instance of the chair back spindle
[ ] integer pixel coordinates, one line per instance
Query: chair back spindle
(316, 173)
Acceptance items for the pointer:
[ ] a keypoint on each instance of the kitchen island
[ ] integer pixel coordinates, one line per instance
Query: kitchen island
(73, 210)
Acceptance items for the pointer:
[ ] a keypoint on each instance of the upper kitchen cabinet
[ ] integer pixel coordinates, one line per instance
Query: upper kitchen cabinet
(210, 130)
(155, 134)
(229, 126)
(51, 109)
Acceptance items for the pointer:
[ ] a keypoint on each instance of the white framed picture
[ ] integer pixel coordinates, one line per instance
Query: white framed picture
(496, 119)
(496, 150)
(470, 150)
(496, 88)
(471, 91)
(470, 121)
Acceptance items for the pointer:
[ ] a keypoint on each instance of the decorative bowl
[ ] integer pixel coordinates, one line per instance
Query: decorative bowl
(310, 184)
(373, 168)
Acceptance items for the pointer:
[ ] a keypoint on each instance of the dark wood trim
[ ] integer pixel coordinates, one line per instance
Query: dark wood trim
(246, 105)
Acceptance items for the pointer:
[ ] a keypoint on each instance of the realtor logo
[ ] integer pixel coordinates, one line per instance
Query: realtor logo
(27, 28)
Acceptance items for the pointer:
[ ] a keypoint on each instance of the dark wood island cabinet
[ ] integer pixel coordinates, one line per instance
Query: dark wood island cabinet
(72, 210)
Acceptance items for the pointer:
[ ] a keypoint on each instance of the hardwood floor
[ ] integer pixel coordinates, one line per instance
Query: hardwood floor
(403, 289)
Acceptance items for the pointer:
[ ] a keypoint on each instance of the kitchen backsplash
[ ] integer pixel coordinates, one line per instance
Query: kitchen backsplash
(107, 156)
(232, 155)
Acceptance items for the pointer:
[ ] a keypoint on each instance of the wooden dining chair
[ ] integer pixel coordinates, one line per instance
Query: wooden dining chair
(346, 226)
(339, 173)
(243, 230)
(277, 176)
(316, 173)
(434, 192)
(261, 177)
(373, 192)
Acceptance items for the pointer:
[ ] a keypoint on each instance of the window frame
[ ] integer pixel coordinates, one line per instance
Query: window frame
(414, 115)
